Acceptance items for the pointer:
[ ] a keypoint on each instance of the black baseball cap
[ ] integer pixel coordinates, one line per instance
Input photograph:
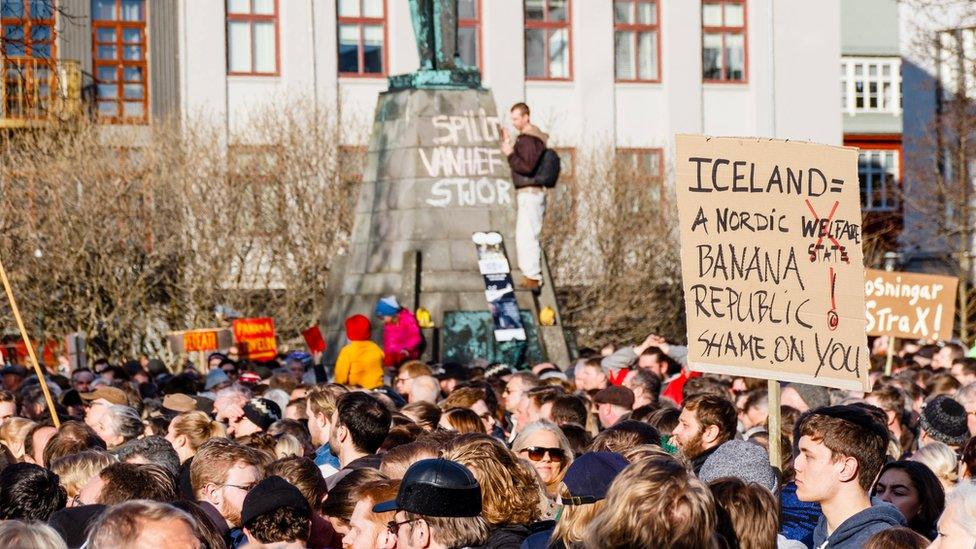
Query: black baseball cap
(271, 493)
(436, 488)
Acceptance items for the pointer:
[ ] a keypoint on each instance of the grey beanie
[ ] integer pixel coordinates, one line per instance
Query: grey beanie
(740, 459)
(814, 395)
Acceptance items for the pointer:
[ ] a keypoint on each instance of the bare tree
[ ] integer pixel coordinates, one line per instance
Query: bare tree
(127, 243)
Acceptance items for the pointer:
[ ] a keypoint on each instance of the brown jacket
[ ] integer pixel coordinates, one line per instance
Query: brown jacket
(524, 160)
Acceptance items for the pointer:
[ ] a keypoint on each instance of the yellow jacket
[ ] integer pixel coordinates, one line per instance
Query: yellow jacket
(360, 363)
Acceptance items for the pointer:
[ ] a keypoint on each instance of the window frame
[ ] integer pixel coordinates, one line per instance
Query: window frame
(252, 18)
(849, 81)
(475, 24)
(27, 23)
(880, 143)
(360, 22)
(638, 28)
(546, 25)
(118, 25)
(725, 31)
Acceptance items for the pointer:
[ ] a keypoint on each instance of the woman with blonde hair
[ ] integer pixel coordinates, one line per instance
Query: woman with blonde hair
(582, 496)
(13, 432)
(545, 446)
(188, 431)
(655, 502)
(942, 460)
(76, 470)
(509, 495)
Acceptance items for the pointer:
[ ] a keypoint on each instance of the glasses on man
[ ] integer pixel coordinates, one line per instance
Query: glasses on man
(536, 453)
(394, 526)
(246, 488)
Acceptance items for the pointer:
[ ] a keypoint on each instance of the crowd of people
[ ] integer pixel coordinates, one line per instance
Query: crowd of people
(623, 448)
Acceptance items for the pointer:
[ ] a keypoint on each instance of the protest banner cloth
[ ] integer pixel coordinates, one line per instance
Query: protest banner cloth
(909, 305)
(771, 260)
(256, 337)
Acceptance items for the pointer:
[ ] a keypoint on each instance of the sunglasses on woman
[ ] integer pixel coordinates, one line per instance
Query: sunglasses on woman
(536, 453)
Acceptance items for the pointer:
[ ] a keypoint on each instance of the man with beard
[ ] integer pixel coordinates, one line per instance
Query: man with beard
(222, 473)
(706, 421)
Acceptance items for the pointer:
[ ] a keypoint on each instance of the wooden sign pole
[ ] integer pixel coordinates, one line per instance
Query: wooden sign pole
(891, 355)
(775, 425)
(30, 348)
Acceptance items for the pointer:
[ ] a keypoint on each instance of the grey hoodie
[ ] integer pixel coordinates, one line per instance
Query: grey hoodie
(855, 531)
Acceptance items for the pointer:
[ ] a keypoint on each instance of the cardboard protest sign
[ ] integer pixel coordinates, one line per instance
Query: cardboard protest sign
(910, 305)
(771, 260)
(256, 337)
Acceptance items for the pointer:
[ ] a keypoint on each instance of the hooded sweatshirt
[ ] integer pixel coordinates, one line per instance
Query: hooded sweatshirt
(855, 531)
(361, 361)
(401, 340)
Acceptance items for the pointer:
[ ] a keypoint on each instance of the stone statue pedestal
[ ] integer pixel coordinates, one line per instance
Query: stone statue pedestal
(434, 176)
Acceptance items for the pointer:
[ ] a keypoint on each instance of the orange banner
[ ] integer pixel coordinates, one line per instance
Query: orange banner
(200, 340)
(256, 337)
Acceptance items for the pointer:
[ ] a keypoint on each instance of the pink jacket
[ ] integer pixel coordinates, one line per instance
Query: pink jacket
(401, 341)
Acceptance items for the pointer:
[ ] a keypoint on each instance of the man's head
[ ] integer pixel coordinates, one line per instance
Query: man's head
(71, 438)
(29, 492)
(967, 397)
(891, 399)
(613, 403)
(949, 353)
(320, 404)
(705, 422)
(755, 409)
(35, 443)
(407, 373)
(369, 530)
(302, 473)
(438, 504)
(804, 397)
(259, 414)
(945, 420)
(275, 511)
(120, 482)
(536, 404)
(154, 450)
(590, 376)
(118, 424)
(842, 448)
(222, 472)
(359, 425)
(8, 405)
(519, 114)
(964, 369)
(424, 388)
(646, 387)
(144, 524)
(81, 380)
(568, 409)
(516, 387)
(655, 361)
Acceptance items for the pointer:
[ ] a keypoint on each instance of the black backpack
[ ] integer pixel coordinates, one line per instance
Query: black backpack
(547, 172)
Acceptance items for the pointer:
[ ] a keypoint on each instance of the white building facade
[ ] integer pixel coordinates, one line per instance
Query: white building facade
(628, 73)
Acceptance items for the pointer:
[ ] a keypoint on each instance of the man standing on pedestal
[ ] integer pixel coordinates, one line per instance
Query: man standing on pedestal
(523, 157)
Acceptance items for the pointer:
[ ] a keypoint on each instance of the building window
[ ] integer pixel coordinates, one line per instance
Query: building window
(567, 163)
(469, 32)
(878, 171)
(119, 60)
(636, 40)
(548, 39)
(871, 85)
(27, 29)
(252, 37)
(362, 37)
(724, 34)
(643, 165)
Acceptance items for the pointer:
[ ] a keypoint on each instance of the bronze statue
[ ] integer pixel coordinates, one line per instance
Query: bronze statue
(435, 25)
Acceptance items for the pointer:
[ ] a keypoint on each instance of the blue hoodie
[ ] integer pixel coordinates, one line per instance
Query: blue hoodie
(855, 531)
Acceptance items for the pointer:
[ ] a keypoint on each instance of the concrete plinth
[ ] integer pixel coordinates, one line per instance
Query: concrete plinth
(434, 176)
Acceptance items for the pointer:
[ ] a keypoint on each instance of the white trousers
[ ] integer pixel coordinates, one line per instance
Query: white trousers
(528, 226)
